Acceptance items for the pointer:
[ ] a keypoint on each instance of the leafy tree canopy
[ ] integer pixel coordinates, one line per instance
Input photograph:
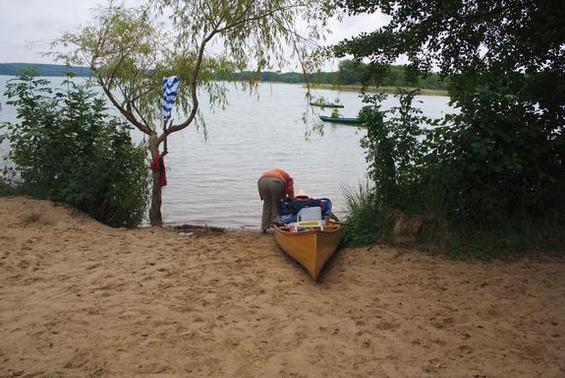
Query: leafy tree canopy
(520, 41)
(130, 51)
(502, 155)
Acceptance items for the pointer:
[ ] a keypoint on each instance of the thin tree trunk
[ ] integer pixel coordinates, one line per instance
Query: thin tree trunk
(155, 211)
(155, 217)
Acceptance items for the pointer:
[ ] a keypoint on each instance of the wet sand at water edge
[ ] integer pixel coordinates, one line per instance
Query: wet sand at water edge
(79, 299)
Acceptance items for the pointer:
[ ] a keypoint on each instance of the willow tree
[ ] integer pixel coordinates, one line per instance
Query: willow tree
(130, 51)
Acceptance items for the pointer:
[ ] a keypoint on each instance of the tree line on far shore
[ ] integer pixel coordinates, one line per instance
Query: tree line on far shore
(350, 72)
(354, 73)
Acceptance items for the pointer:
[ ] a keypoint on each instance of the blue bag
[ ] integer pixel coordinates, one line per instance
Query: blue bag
(294, 206)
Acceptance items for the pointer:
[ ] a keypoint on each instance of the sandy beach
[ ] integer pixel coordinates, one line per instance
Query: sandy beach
(80, 299)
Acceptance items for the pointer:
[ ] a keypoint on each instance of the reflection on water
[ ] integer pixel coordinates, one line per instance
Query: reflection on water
(215, 182)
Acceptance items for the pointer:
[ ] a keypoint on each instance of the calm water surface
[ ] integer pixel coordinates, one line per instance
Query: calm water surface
(214, 182)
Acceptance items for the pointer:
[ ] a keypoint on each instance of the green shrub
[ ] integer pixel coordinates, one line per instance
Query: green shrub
(395, 152)
(511, 240)
(366, 221)
(67, 148)
(503, 160)
(395, 155)
(490, 177)
(8, 188)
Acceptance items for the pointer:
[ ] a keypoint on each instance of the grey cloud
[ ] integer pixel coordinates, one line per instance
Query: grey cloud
(28, 26)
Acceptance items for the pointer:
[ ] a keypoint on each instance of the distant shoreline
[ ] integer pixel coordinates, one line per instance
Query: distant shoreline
(385, 89)
(59, 70)
(45, 70)
(55, 70)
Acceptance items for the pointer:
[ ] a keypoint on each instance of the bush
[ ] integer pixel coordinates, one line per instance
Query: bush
(394, 150)
(8, 189)
(399, 170)
(493, 173)
(504, 160)
(67, 148)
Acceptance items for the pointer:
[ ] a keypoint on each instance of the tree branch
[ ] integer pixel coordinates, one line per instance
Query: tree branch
(256, 17)
(129, 116)
(193, 89)
(132, 105)
(142, 94)
(196, 71)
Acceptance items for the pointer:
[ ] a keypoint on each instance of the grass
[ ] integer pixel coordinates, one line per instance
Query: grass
(367, 223)
(7, 189)
(512, 240)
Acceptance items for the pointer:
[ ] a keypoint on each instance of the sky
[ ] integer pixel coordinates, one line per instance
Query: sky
(28, 26)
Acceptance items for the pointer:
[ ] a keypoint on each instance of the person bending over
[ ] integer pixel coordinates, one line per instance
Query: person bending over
(274, 186)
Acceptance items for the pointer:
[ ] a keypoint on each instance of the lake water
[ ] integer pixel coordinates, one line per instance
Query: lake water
(214, 182)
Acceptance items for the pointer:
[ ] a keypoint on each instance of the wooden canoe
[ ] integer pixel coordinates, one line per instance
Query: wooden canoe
(311, 248)
(346, 121)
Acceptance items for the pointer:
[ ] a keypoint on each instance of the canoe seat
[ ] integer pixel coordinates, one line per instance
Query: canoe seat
(310, 214)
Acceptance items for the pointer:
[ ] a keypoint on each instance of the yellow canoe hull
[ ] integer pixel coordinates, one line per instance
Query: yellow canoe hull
(312, 249)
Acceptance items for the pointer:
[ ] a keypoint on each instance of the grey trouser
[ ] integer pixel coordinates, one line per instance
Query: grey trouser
(271, 191)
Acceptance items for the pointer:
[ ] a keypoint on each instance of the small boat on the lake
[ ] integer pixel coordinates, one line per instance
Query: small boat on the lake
(310, 243)
(343, 120)
(326, 105)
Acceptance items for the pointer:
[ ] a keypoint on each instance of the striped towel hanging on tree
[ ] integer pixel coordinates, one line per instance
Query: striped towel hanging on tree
(170, 90)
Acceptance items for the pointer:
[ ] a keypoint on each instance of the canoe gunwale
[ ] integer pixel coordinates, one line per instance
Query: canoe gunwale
(330, 230)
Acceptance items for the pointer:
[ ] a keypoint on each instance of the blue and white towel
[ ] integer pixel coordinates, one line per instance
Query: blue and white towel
(170, 90)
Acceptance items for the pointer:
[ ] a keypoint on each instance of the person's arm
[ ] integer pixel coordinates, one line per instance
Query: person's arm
(290, 188)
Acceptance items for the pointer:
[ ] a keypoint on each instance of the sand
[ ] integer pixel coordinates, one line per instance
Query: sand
(79, 299)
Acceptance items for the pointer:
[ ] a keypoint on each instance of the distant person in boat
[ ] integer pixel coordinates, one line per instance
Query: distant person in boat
(274, 186)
